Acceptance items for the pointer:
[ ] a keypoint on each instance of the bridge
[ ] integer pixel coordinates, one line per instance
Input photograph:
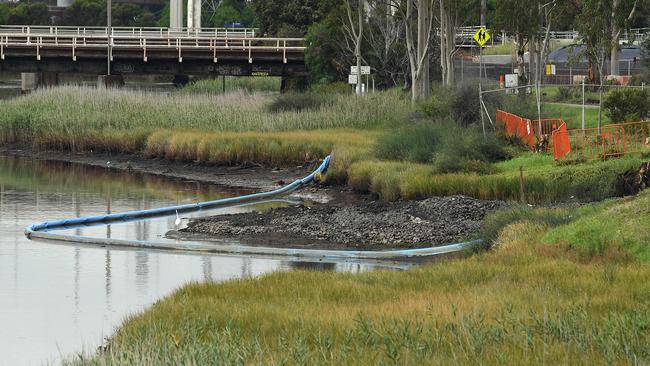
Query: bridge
(140, 51)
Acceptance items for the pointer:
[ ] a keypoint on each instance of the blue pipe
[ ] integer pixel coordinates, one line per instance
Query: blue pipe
(139, 214)
(40, 231)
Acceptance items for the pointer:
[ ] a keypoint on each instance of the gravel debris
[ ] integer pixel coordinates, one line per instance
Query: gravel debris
(371, 224)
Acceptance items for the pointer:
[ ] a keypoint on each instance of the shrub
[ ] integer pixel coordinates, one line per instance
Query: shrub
(566, 93)
(298, 102)
(460, 103)
(450, 147)
(416, 143)
(627, 105)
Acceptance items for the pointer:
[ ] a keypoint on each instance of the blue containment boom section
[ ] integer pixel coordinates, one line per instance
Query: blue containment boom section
(140, 214)
(41, 231)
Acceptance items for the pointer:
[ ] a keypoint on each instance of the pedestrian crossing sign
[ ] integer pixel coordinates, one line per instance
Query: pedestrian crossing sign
(481, 36)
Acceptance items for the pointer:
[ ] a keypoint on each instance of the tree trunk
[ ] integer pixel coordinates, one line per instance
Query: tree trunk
(483, 13)
(616, 32)
(532, 56)
(443, 42)
(424, 20)
(521, 62)
(451, 48)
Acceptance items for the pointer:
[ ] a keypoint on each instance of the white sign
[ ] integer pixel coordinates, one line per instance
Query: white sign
(352, 79)
(512, 80)
(365, 70)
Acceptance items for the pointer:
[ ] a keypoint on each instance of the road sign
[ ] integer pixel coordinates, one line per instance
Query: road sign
(481, 36)
(352, 79)
(365, 70)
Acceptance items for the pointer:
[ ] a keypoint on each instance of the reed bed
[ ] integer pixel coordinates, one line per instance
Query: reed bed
(521, 303)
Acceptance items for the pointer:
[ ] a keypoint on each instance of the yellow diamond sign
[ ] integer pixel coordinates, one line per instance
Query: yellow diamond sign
(481, 36)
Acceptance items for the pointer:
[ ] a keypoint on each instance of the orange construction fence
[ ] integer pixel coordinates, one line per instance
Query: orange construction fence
(602, 143)
(525, 129)
(578, 144)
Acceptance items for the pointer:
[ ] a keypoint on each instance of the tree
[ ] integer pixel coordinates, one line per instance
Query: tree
(453, 13)
(622, 14)
(385, 50)
(418, 28)
(521, 18)
(29, 14)
(354, 30)
(290, 18)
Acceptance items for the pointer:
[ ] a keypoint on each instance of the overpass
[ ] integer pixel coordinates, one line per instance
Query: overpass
(141, 51)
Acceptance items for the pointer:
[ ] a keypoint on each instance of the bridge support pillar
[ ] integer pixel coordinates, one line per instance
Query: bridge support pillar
(294, 83)
(110, 81)
(181, 80)
(30, 81)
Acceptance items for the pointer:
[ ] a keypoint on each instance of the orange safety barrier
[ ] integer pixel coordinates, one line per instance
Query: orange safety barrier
(525, 129)
(601, 143)
(560, 141)
(577, 144)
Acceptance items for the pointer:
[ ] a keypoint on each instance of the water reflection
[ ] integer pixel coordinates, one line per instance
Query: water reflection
(59, 299)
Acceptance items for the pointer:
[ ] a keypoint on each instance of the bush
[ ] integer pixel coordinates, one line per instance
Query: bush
(566, 93)
(627, 105)
(460, 103)
(416, 143)
(297, 102)
(450, 147)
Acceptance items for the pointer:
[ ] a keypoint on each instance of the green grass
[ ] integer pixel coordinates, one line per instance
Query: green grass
(544, 181)
(248, 84)
(616, 226)
(526, 301)
(572, 115)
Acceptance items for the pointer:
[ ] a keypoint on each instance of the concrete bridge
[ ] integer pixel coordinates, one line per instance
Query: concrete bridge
(140, 51)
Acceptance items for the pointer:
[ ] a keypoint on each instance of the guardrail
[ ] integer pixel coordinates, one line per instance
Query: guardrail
(144, 39)
(134, 31)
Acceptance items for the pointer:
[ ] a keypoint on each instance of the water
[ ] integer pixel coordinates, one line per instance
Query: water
(57, 300)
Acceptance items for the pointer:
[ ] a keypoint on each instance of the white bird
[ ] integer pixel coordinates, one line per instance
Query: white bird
(178, 219)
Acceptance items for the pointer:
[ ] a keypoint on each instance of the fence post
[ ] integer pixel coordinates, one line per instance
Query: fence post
(522, 194)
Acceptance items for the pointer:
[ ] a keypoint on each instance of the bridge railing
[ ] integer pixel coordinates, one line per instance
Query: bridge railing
(139, 31)
(144, 39)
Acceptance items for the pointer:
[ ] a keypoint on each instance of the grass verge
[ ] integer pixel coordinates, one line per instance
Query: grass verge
(525, 301)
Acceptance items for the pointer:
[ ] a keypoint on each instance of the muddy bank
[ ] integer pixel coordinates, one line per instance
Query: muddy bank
(365, 225)
(251, 176)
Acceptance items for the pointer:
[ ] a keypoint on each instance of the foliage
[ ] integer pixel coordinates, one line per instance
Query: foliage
(228, 12)
(93, 13)
(627, 105)
(290, 18)
(25, 14)
(460, 102)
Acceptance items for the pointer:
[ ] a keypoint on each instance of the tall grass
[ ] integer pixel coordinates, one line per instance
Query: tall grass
(518, 304)
(82, 119)
(248, 84)
(542, 184)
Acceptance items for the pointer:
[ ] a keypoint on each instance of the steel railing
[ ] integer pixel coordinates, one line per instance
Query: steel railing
(216, 40)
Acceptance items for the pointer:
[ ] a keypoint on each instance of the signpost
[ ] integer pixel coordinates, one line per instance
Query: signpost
(365, 70)
(481, 37)
(353, 78)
